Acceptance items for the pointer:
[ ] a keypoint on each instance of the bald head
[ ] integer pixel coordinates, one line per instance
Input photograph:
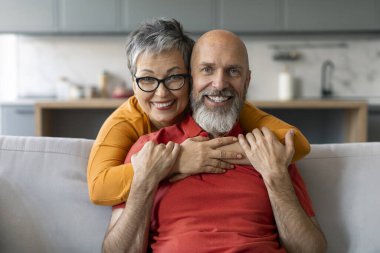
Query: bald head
(221, 40)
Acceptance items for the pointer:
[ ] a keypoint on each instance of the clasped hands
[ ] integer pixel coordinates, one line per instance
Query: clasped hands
(201, 155)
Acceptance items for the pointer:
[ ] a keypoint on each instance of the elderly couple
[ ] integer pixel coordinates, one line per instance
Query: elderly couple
(206, 176)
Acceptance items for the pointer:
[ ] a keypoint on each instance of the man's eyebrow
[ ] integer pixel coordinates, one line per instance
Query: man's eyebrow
(207, 64)
(234, 66)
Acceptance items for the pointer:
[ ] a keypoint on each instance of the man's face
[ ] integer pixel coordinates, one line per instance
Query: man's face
(220, 72)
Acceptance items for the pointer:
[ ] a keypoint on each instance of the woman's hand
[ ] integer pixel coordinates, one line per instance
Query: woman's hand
(200, 155)
(154, 162)
(269, 156)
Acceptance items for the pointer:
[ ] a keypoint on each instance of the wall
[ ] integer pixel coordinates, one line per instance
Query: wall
(33, 65)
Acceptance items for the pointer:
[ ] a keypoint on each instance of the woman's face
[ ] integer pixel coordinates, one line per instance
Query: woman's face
(164, 107)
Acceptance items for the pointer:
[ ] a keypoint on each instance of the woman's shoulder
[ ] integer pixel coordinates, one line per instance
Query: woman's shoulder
(130, 116)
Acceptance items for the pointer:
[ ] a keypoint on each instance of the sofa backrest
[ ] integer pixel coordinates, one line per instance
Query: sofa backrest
(44, 203)
(344, 182)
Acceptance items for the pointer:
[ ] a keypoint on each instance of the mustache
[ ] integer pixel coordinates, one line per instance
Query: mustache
(215, 92)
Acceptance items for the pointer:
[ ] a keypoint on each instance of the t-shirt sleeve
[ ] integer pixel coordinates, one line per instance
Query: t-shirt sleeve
(251, 117)
(300, 190)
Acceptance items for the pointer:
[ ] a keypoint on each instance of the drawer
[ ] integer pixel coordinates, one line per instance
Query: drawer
(17, 120)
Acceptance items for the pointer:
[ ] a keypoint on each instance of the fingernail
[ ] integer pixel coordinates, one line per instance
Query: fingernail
(239, 156)
(234, 139)
(232, 166)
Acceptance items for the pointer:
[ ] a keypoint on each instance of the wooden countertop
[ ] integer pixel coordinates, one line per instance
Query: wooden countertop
(355, 111)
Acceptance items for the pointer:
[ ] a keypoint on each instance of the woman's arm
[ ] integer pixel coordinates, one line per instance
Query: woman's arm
(252, 117)
(108, 178)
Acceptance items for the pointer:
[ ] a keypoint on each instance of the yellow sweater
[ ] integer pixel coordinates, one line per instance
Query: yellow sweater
(109, 179)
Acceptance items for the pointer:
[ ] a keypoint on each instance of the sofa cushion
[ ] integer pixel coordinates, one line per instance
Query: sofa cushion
(344, 182)
(44, 202)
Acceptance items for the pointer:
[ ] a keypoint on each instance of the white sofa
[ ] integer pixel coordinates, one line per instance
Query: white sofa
(44, 205)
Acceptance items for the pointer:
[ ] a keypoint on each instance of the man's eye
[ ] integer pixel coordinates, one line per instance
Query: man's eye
(206, 70)
(234, 72)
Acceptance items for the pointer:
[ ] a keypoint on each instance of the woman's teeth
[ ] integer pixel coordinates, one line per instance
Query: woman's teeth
(218, 99)
(161, 105)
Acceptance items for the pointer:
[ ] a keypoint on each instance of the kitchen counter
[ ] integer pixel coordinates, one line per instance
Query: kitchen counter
(321, 120)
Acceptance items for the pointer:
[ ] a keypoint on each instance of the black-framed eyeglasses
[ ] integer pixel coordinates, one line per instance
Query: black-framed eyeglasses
(173, 82)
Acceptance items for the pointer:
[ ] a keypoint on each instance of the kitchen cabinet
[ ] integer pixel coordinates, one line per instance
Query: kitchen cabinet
(374, 123)
(28, 16)
(251, 15)
(331, 15)
(245, 16)
(194, 15)
(17, 120)
(89, 15)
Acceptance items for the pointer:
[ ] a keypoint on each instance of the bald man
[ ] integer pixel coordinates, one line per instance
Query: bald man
(259, 208)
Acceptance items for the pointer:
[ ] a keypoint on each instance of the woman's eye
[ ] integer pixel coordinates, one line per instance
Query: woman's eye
(174, 78)
(147, 79)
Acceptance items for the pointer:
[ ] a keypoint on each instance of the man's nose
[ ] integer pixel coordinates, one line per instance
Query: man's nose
(220, 80)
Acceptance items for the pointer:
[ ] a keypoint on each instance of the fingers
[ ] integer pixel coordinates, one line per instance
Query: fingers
(289, 141)
(222, 141)
(258, 135)
(199, 138)
(244, 143)
(225, 155)
(268, 133)
(173, 149)
(207, 169)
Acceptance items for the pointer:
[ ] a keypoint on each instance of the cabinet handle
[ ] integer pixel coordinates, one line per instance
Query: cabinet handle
(24, 111)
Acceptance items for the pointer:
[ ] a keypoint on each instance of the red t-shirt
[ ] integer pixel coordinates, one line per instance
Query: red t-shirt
(228, 212)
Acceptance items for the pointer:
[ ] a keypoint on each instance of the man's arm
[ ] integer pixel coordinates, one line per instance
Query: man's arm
(129, 227)
(128, 230)
(298, 232)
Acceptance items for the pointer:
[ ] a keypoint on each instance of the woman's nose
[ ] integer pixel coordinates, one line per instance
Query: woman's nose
(161, 91)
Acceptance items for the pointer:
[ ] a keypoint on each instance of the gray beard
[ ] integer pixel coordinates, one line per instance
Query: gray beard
(219, 120)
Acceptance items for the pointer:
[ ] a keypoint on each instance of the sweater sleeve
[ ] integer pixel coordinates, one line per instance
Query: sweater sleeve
(109, 179)
(251, 117)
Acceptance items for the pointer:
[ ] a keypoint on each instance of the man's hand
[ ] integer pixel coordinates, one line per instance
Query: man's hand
(200, 155)
(269, 157)
(154, 162)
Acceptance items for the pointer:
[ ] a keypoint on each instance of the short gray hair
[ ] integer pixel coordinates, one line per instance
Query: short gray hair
(155, 36)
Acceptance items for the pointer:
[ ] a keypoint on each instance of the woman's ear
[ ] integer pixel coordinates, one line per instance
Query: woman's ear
(134, 86)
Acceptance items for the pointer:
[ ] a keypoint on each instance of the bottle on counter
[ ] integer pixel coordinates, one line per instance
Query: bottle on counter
(286, 89)
(103, 84)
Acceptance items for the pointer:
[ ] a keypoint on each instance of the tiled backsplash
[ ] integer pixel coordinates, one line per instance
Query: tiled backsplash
(32, 65)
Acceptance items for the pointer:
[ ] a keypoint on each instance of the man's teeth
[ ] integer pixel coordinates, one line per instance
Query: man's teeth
(161, 105)
(218, 99)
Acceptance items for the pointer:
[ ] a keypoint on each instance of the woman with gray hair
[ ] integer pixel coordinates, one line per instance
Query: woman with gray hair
(158, 54)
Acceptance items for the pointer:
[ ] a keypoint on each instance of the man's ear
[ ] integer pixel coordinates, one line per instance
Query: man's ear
(248, 79)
